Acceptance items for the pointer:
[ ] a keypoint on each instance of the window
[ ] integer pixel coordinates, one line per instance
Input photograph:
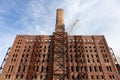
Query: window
(35, 76)
(75, 55)
(109, 68)
(102, 76)
(27, 55)
(86, 50)
(42, 69)
(90, 68)
(93, 60)
(92, 77)
(41, 77)
(107, 60)
(43, 55)
(73, 77)
(22, 55)
(21, 60)
(88, 60)
(101, 50)
(96, 55)
(9, 68)
(14, 60)
(95, 69)
(28, 50)
(90, 50)
(7, 76)
(94, 47)
(97, 77)
(87, 56)
(110, 76)
(25, 60)
(17, 76)
(85, 69)
(24, 68)
(113, 77)
(19, 68)
(72, 69)
(46, 77)
(95, 50)
(83, 56)
(47, 69)
(15, 55)
(37, 68)
(43, 60)
(100, 68)
(98, 60)
(77, 68)
(92, 56)
(78, 76)
(104, 51)
(89, 46)
(21, 76)
(11, 59)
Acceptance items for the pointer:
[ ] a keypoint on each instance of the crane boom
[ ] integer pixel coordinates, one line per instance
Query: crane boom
(73, 26)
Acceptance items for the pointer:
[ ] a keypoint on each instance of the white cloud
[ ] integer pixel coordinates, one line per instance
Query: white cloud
(36, 9)
(95, 17)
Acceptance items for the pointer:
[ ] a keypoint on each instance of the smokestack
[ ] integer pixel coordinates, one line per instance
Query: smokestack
(60, 21)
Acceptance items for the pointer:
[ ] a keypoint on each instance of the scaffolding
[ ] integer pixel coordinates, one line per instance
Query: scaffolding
(59, 56)
(4, 60)
(115, 60)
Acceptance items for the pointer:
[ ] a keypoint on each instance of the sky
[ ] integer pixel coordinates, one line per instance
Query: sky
(96, 17)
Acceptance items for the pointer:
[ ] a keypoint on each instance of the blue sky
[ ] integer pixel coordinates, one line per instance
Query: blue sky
(96, 17)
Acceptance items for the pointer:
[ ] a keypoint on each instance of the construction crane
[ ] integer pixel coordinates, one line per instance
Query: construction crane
(73, 26)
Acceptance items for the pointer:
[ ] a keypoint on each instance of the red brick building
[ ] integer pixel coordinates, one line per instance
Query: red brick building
(60, 57)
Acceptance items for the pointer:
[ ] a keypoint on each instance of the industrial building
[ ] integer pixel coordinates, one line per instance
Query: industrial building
(59, 57)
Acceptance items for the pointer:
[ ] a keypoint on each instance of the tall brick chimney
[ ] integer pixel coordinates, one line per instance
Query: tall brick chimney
(60, 21)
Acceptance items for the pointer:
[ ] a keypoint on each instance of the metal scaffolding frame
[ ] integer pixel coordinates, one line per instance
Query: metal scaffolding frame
(4, 60)
(59, 56)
